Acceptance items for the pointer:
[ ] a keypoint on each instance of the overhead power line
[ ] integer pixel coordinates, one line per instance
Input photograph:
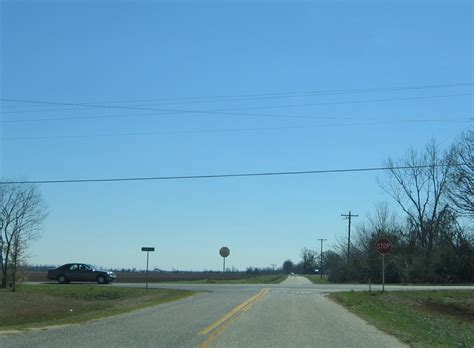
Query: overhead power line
(227, 112)
(219, 176)
(355, 101)
(237, 130)
(173, 111)
(223, 98)
(316, 93)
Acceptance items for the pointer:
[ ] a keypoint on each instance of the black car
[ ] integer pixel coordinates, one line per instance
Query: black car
(80, 272)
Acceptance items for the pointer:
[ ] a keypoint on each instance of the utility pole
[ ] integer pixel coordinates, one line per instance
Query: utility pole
(321, 268)
(349, 217)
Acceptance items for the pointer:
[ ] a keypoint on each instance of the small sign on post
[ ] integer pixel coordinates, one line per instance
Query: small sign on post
(224, 252)
(147, 249)
(383, 246)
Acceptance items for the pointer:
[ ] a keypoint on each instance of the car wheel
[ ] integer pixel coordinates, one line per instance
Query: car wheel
(101, 280)
(62, 279)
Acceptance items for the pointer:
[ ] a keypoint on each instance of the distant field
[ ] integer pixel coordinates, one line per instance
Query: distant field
(157, 277)
(443, 318)
(51, 304)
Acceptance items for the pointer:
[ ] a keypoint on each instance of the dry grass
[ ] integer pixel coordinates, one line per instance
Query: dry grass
(44, 305)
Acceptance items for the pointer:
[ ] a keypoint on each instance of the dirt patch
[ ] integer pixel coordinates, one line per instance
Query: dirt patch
(461, 312)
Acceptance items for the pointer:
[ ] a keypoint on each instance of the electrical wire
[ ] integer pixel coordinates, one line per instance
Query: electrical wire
(237, 130)
(219, 176)
(186, 100)
(216, 112)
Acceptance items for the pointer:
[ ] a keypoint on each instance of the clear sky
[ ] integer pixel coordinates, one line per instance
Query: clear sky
(235, 83)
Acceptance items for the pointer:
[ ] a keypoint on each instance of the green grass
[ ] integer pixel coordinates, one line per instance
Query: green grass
(265, 279)
(316, 279)
(52, 304)
(443, 318)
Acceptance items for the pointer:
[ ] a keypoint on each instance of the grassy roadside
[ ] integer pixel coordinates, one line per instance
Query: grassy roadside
(265, 279)
(420, 318)
(46, 305)
(316, 279)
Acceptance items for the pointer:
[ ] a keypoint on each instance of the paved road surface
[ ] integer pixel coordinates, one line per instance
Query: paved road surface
(299, 318)
(296, 280)
(294, 313)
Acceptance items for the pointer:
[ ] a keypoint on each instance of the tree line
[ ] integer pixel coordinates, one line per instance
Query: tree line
(431, 232)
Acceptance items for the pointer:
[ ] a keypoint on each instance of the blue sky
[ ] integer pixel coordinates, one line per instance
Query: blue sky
(261, 61)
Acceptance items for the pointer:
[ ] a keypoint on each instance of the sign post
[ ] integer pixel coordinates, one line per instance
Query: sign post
(224, 252)
(147, 249)
(383, 246)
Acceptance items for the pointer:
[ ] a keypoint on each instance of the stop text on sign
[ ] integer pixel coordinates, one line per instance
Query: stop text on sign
(383, 245)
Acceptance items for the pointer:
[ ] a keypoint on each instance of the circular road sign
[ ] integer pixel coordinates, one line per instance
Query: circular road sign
(224, 251)
(383, 246)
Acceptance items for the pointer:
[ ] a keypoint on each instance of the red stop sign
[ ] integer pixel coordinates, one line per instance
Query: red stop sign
(383, 245)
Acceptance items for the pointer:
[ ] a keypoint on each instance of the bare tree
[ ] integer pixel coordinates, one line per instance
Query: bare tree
(418, 184)
(22, 212)
(383, 223)
(461, 177)
(308, 260)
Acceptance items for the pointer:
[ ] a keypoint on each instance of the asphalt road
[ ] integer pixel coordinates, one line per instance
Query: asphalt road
(294, 313)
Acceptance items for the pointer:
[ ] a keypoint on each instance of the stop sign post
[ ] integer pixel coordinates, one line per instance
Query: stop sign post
(224, 252)
(383, 246)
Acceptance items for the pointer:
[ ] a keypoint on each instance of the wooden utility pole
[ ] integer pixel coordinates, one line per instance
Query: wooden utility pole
(321, 268)
(349, 217)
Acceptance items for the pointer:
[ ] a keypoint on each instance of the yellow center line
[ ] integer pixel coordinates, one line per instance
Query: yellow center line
(224, 322)
(232, 312)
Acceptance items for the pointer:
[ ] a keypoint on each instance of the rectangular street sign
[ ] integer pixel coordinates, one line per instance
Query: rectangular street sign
(148, 249)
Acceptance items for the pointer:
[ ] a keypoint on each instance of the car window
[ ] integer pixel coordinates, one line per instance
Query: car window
(73, 268)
